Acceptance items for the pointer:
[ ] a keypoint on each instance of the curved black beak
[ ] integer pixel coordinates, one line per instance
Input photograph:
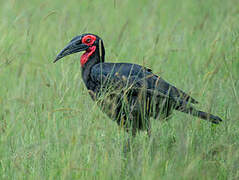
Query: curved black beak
(71, 48)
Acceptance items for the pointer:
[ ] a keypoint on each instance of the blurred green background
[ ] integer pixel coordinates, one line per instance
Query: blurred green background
(51, 129)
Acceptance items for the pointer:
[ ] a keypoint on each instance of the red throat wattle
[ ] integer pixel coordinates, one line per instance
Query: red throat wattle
(85, 57)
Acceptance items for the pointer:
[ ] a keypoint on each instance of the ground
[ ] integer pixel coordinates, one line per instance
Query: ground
(51, 129)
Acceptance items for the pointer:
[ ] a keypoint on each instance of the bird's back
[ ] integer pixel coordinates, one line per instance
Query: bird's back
(135, 77)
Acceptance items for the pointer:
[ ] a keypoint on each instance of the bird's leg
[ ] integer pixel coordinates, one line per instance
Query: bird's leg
(131, 128)
(128, 144)
(149, 130)
(122, 124)
(134, 132)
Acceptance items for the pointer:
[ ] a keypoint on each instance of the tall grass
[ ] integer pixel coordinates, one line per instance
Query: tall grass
(51, 129)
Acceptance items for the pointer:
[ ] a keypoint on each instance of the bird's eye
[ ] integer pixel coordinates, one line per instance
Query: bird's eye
(88, 40)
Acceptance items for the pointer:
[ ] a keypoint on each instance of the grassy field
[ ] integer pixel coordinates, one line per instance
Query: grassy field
(51, 129)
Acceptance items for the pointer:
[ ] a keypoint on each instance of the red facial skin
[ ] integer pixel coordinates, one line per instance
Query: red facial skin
(88, 40)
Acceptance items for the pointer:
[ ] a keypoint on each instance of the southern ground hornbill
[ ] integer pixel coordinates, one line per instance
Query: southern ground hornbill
(128, 93)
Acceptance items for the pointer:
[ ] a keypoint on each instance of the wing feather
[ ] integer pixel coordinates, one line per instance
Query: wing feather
(135, 77)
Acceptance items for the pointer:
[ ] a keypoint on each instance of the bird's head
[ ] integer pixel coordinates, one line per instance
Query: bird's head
(90, 43)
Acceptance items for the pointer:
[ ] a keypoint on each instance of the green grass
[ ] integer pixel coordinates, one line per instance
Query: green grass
(51, 129)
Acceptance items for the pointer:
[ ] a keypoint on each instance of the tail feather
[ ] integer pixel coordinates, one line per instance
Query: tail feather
(203, 115)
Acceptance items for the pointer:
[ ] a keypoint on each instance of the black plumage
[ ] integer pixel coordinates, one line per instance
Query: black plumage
(128, 93)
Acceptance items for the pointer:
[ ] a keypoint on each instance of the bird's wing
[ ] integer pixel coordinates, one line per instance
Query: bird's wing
(117, 76)
(135, 77)
(172, 91)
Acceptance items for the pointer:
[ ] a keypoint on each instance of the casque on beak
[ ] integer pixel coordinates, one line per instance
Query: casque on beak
(73, 47)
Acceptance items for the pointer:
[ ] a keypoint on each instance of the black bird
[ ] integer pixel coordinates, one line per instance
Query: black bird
(128, 93)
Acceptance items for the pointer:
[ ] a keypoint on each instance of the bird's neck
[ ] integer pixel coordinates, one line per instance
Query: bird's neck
(87, 55)
(86, 65)
(92, 56)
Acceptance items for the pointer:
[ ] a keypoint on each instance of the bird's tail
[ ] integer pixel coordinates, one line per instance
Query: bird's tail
(200, 114)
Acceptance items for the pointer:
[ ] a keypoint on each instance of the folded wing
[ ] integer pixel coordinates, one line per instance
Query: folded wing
(135, 77)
